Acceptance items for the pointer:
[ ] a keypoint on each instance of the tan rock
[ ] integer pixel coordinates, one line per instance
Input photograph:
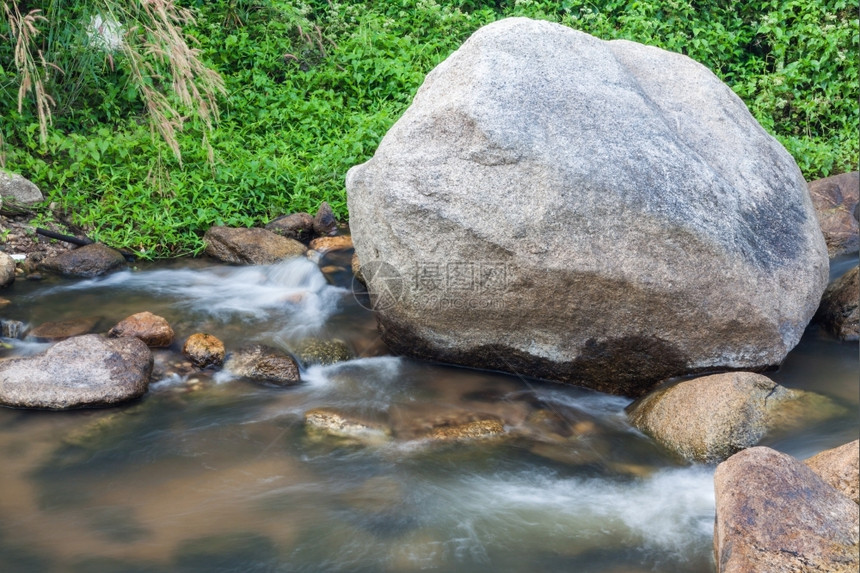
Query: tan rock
(240, 246)
(204, 350)
(153, 330)
(262, 363)
(325, 244)
(482, 428)
(339, 424)
(835, 198)
(7, 270)
(840, 467)
(775, 515)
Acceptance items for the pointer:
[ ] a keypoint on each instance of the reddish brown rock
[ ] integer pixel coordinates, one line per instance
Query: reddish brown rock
(153, 330)
(240, 246)
(774, 514)
(840, 306)
(87, 261)
(840, 467)
(835, 199)
(204, 350)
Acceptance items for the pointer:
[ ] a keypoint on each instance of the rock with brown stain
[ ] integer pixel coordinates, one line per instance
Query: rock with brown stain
(298, 226)
(326, 244)
(263, 363)
(775, 515)
(241, 246)
(62, 329)
(87, 261)
(840, 308)
(152, 329)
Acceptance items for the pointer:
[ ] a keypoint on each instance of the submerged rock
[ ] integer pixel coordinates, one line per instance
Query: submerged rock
(318, 351)
(84, 371)
(264, 364)
(339, 424)
(710, 418)
(840, 308)
(12, 329)
(482, 428)
(298, 226)
(62, 329)
(204, 350)
(87, 261)
(774, 515)
(835, 199)
(601, 213)
(241, 246)
(7, 270)
(839, 467)
(152, 329)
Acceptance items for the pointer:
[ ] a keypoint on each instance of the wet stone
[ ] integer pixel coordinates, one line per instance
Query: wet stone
(332, 422)
(326, 244)
(204, 350)
(87, 261)
(298, 226)
(12, 329)
(324, 221)
(480, 429)
(153, 330)
(319, 351)
(262, 363)
(60, 330)
(7, 270)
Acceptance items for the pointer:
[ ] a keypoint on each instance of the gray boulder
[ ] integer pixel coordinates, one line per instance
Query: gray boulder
(241, 246)
(776, 515)
(601, 213)
(19, 189)
(87, 261)
(7, 270)
(710, 418)
(81, 372)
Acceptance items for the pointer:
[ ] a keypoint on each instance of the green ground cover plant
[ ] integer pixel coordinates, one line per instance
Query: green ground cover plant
(306, 90)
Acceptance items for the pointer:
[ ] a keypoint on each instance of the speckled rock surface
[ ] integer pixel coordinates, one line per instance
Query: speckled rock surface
(840, 467)
(840, 306)
(836, 199)
(204, 350)
(241, 246)
(84, 371)
(152, 329)
(262, 363)
(775, 515)
(601, 213)
(7, 270)
(87, 261)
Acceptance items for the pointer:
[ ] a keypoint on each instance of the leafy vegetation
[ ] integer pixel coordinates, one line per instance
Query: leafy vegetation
(310, 88)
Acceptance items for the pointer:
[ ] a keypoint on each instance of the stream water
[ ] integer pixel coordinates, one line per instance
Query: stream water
(212, 474)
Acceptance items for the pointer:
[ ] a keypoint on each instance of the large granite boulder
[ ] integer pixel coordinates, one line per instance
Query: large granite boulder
(80, 372)
(15, 187)
(840, 308)
(835, 199)
(776, 515)
(708, 419)
(840, 467)
(601, 213)
(254, 246)
(87, 261)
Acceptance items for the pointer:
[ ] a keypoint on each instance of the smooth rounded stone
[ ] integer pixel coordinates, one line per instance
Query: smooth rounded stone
(14, 186)
(86, 262)
(84, 371)
(318, 351)
(7, 270)
(332, 422)
(774, 515)
(836, 199)
(839, 467)
(152, 329)
(263, 363)
(241, 246)
(204, 350)
(62, 329)
(324, 221)
(298, 226)
(601, 213)
(708, 419)
(326, 244)
(839, 312)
